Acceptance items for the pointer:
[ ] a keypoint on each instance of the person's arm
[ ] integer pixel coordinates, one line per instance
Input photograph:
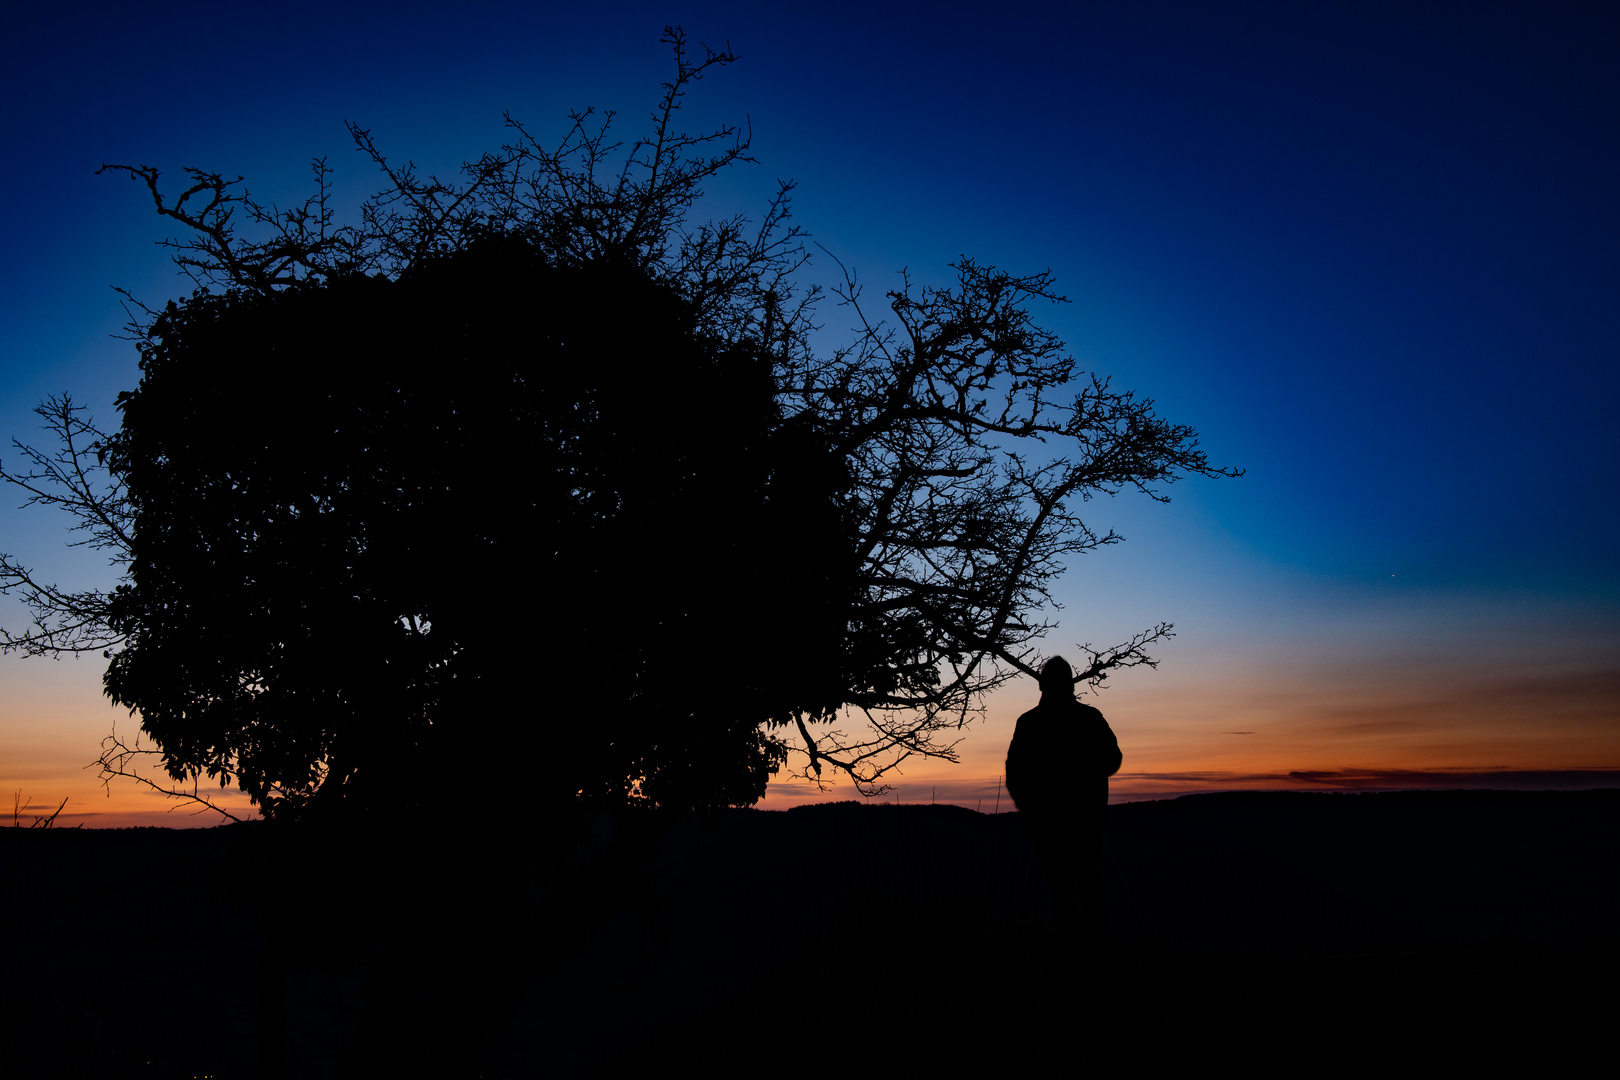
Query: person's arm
(1015, 760)
(1012, 769)
(1106, 748)
(1110, 755)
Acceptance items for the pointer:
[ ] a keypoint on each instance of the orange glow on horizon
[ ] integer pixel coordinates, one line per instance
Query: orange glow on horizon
(1257, 722)
(1548, 725)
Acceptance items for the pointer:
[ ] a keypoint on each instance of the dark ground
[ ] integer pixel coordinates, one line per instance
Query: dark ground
(1263, 931)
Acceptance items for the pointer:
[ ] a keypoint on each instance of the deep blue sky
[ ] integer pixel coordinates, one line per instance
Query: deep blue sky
(1368, 250)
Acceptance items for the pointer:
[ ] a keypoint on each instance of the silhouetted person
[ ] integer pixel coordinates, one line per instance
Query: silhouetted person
(1058, 764)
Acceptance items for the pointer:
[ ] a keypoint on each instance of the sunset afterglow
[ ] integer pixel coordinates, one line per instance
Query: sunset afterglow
(1371, 260)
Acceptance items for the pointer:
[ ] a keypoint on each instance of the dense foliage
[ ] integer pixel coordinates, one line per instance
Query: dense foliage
(492, 508)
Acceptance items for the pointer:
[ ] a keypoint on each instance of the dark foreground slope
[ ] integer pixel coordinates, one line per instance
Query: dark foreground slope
(1270, 930)
(1262, 930)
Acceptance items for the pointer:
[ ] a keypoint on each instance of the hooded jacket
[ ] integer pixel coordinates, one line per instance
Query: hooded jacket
(1061, 756)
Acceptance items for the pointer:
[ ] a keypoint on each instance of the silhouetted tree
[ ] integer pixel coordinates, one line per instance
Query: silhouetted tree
(894, 512)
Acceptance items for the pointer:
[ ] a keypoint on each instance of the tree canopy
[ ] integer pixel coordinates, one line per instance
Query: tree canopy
(493, 506)
(559, 474)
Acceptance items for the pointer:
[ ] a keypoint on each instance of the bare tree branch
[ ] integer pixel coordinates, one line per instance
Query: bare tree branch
(73, 478)
(120, 759)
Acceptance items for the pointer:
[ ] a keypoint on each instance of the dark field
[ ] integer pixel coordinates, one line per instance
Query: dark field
(1262, 931)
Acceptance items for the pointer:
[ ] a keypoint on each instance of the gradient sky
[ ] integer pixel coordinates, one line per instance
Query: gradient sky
(1368, 250)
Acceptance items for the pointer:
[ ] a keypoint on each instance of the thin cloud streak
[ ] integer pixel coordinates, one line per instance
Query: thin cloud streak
(1131, 786)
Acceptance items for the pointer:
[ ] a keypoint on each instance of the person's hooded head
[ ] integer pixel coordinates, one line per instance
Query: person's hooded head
(1057, 678)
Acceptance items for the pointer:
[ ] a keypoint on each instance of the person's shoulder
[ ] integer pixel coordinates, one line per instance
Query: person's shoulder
(1090, 712)
(1035, 729)
(1032, 716)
